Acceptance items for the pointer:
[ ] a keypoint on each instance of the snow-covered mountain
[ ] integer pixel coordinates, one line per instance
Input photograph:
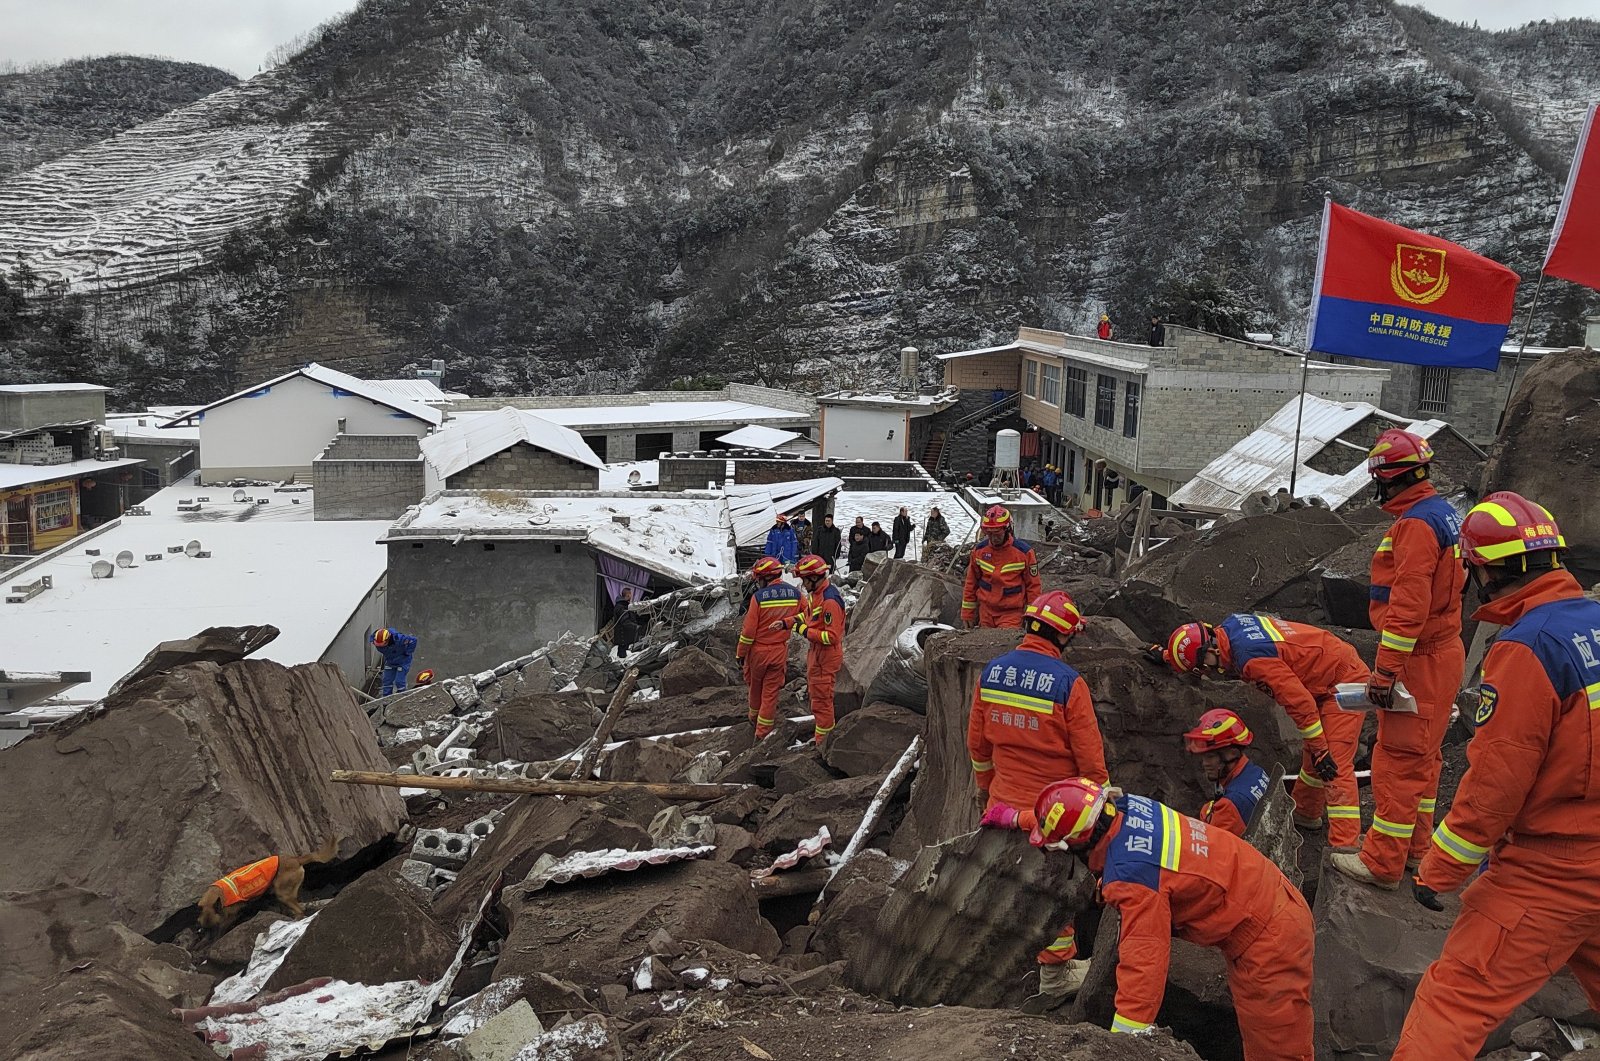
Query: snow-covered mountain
(557, 195)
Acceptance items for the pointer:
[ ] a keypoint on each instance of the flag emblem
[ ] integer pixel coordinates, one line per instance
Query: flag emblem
(1418, 275)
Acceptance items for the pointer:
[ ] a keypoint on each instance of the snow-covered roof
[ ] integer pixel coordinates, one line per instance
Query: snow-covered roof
(755, 436)
(952, 355)
(14, 475)
(755, 507)
(417, 389)
(48, 388)
(339, 381)
(460, 446)
(269, 563)
(884, 505)
(919, 404)
(1262, 459)
(656, 414)
(619, 476)
(686, 537)
(151, 426)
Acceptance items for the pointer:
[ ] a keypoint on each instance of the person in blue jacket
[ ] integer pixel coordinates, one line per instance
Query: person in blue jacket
(782, 545)
(396, 649)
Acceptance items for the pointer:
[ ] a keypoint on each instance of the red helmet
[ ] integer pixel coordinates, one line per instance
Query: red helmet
(1066, 811)
(1506, 525)
(811, 566)
(997, 518)
(1187, 644)
(1397, 452)
(766, 569)
(783, 517)
(1057, 611)
(1217, 729)
(382, 637)
(424, 677)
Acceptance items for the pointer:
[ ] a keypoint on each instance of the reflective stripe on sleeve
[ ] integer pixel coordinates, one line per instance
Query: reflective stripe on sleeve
(1396, 642)
(1446, 840)
(1309, 780)
(1312, 731)
(981, 767)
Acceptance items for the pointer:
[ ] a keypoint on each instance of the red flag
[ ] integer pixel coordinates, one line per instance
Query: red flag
(1575, 244)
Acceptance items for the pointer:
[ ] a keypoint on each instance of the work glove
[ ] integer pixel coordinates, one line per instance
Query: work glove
(1323, 762)
(1000, 816)
(1157, 653)
(800, 627)
(1380, 689)
(1425, 895)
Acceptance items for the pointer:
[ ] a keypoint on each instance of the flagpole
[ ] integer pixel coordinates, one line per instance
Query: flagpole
(1516, 365)
(1299, 418)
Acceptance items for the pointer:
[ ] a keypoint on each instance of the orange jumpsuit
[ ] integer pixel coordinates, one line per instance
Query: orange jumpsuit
(824, 628)
(764, 649)
(1417, 580)
(1298, 665)
(1170, 875)
(1530, 805)
(247, 882)
(1235, 802)
(1000, 583)
(1032, 723)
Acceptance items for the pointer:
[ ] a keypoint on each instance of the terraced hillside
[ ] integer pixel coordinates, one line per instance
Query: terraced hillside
(563, 195)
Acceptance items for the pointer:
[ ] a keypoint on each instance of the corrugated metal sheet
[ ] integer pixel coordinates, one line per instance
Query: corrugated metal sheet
(461, 446)
(755, 436)
(598, 863)
(1261, 460)
(754, 508)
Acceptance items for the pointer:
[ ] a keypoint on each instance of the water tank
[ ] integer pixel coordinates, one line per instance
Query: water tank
(909, 375)
(1007, 450)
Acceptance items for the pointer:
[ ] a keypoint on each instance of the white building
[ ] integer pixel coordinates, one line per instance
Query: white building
(880, 426)
(272, 432)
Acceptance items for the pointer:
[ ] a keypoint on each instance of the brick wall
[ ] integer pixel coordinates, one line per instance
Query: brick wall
(1475, 397)
(525, 467)
(367, 477)
(984, 372)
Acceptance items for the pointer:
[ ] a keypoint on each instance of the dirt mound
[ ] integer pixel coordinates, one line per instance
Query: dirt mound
(95, 1014)
(1549, 449)
(182, 777)
(376, 931)
(845, 1025)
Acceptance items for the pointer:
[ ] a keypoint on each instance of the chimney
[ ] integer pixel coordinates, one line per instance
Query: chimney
(908, 368)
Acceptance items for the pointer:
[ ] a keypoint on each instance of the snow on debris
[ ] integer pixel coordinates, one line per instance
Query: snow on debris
(567, 1043)
(472, 1013)
(598, 863)
(327, 1020)
(271, 948)
(807, 848)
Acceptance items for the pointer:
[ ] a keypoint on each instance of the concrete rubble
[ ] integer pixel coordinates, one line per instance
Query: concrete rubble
(494, 927)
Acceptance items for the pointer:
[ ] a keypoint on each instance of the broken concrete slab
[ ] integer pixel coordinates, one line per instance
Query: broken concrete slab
(967, 919)
(692, 669)
(212, 765)
(868, 741)
(593, 932)
(588, 1039)
(532, 827)
(94, 1014)
(839, 805)
(899, 593)
(412, 707)
(343, 941)
(215, 644)
(502, 1037)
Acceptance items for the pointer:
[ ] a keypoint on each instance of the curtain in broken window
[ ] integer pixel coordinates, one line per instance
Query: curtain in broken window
(620, 575)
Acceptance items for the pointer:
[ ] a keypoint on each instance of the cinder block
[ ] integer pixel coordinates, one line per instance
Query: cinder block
(442, 848)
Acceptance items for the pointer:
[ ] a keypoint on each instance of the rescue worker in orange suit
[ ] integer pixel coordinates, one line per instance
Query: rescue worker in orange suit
(1032, 722)
(1002, 575)
(1530, 801)
(1298, 665)
(1417, 580)
(821, 622)
(764, 641)
(1170, 875)
(1219, 739)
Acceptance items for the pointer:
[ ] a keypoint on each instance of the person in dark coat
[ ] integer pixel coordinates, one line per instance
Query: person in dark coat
(936, 530)
(857, 552)
(625, 624)
(902, 533)
(1158, 332)
(878, 541)
(827, 540)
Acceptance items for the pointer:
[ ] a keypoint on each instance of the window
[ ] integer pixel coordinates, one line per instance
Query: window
(52, 510)
(1031, 386)
(1077, 389)
(1433, 389)
(1072, 465)
(1050, 384)
(1105, 401)
(1130, 410)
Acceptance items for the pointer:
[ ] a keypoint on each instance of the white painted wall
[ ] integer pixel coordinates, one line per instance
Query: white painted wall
(278, 433)
(853, 433)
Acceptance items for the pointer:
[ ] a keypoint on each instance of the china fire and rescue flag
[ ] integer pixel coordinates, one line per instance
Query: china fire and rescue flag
(1574, 252)
(1390, 294)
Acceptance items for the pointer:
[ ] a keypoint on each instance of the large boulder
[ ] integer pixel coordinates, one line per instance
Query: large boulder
(214, 644)
(899, 594)
(593, 932)
(646, 760)
(853, 900)
(870, 740)
(706, 708)
(538, 726)
(95, 1013)
(1549, 449)
(692, 669)
(186, 775)
(345, 940)
(839, 804)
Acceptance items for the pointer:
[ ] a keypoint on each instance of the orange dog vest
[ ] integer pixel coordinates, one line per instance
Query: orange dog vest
(247, 882)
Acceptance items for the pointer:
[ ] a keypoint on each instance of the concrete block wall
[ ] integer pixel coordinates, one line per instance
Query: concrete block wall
(367, 477)
(691, 473)
(26, 411)
(1475, 400)
(525, 467)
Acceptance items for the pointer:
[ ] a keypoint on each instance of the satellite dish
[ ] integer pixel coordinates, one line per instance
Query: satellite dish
(686, 547)
(125, 558)
(101, 569)
(634, 478)
(540, 520)
(239, 495)
(193, 548)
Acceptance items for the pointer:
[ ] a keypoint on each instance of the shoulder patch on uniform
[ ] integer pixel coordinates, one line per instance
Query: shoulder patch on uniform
(1488, 698)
